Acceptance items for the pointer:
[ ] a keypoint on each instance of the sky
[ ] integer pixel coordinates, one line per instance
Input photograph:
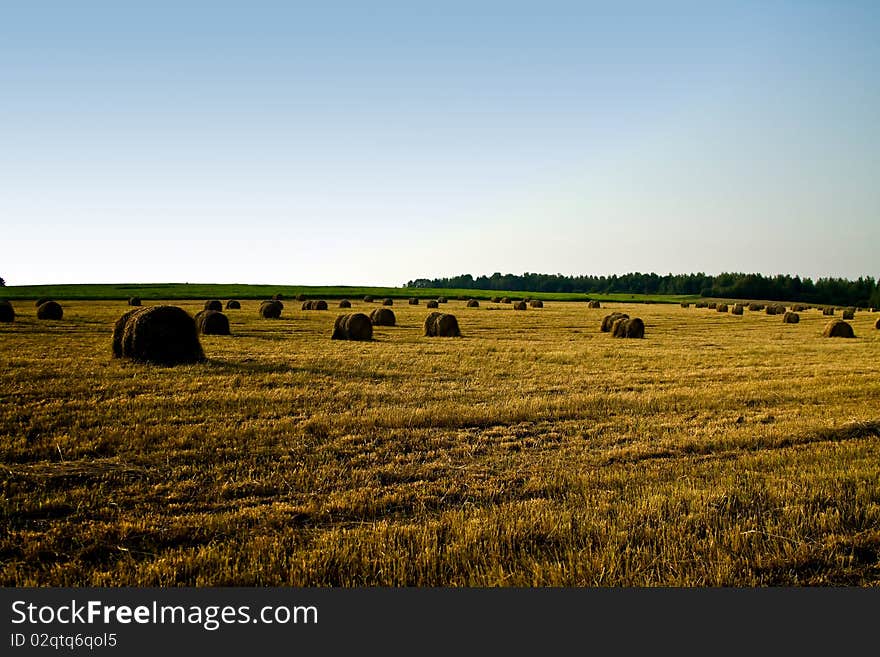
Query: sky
(371, 143)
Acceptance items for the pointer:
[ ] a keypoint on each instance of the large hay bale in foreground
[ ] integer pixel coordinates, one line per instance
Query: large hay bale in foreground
(352, 326)
(388, 302)
(50, 310)
(520, 305)
(849, 313)
(271, 309)
(413, 301)
(166, 335)
(214, 304)
(232, 304)
(721, 307)
(345, 303)
(7, 312)
(473, 303)
(134, 301)
(628, 328)
(594, 304)
(877, 324)
(608, 321)
(790, 317)
(433, 303)
(536, 303)
(442, 325)
(212, 322)
(383, 317)
(837, 328)
(737, 309)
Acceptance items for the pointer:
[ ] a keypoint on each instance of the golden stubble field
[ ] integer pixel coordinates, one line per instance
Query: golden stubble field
(535, 450)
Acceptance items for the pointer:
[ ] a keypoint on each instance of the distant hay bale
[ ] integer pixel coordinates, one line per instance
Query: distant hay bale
(536, 303)
(837, 328)
(473, 303)
(134, 301)
(495, 299)
(608, 321)
(353, 326)
(39, 302)
(166, 335)
(300, 297)
(345, 303)
(505, 300)
(755, 307)
(7, 312)
(271, 309)
(771, 310)
(700, 304)
(791, 317)
(277, 297)
(388, 302)
(520, 305)
(214, 304)
(315, 304)
(828, 311)
(737, 309)
(50, 310)
(624, 327)
(442, 300)
(849, 313)
(721, 307)
(368, 299)
(432, 304)
(684, 304)
(712, 305)
(413, 301)
(798, 308)
(383, 317)
(232, 304)
(594, 304)
(212, 322)
(442, 325)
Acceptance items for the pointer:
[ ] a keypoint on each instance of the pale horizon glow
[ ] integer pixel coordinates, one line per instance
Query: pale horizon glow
(375, 143)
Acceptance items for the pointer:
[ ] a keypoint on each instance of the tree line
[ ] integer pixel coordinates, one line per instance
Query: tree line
(862, 292)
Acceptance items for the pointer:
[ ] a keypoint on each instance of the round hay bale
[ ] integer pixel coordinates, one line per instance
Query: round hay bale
(345, 303)
(520, 305)
(877, 324)
(684, 304)
(413, 301)
(7, 312)
(608, 321)
(271, 309)
(353, 326)
(737, 309)
(50, 310)
(828, 311)
(771, 310)
(473, 303)
(790, 317)
(368, 299)
(212, 322)
(442, 300)
(433, 303)
(383, 317)
(388, 302)
(505, 299)
(214, 304)
(442, 325)
(721, 307)
(837, 328)
(594, 304)
(755, 307)
(536, 303)
(628, 328)
(119, 329)
(849, 313)
(162, 334)
(277, 297)
(232, 304)
(39, 302)
(712, 305)
(134, 301)
(315, 304)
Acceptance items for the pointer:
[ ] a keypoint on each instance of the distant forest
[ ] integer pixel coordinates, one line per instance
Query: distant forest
(863, 292)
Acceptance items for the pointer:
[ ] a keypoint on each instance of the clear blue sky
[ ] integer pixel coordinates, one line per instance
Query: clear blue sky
(376, 142)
